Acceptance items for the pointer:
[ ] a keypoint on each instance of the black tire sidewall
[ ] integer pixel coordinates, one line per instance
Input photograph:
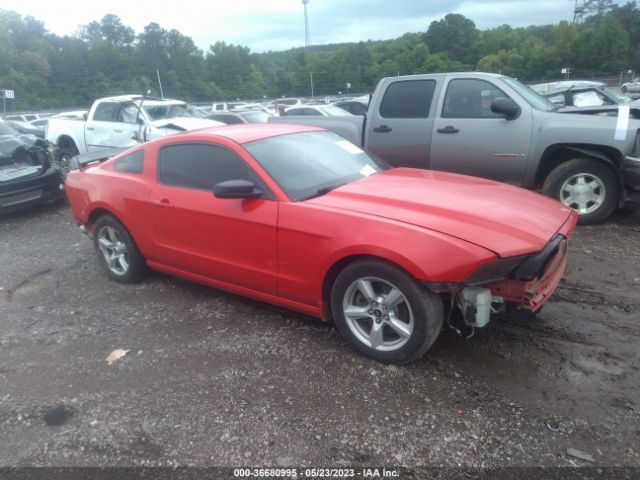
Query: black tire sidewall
(137, 264)
(596, 168)
(426, 307)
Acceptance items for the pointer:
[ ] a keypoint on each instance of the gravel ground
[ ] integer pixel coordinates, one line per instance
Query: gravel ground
(212, 379)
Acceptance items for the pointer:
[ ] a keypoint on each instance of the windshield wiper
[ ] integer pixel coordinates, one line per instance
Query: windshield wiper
(323, 191)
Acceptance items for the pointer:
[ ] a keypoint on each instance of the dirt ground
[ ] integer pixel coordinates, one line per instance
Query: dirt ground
(214, 379)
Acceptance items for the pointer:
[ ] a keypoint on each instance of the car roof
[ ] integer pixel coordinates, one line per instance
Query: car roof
(257, 131)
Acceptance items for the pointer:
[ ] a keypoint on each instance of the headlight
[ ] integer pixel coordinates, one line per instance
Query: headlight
(496, 270)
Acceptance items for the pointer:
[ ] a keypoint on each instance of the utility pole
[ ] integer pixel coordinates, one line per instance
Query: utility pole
(307, 40)
(160, 83)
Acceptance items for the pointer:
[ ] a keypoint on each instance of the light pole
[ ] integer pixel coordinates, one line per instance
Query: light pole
(306, 23)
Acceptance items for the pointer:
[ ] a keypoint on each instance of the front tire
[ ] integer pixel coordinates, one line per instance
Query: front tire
(117, 252)
(384, 312)
(588, 186)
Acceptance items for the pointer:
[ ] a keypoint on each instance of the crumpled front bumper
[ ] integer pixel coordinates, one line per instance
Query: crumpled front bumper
(532, 294)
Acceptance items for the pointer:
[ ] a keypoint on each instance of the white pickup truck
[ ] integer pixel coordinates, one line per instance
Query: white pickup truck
(122, 121)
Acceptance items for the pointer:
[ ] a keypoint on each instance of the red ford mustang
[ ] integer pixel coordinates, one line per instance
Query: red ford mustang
(301, 218)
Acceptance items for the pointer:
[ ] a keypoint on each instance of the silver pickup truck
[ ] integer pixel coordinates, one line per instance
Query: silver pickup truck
(492, 126)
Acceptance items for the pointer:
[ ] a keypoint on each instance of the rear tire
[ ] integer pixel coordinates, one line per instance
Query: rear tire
(117, 253)
(384, 312)
(588, 186)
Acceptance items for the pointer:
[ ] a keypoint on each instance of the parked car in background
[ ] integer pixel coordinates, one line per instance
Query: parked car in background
(240, 116)
(355, 106)
(75, 115)
(26, 117)
(28, 127)
(317, 110)
(122, 122)
(299, 217)
(226, 106)
(492, 126)
(633, 86)
(581, 94)
(28, 172)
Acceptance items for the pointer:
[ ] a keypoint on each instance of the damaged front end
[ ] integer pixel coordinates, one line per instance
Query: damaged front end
(524, 282)
(28, 174)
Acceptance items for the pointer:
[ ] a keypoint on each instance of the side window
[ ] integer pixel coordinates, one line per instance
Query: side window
(128, 113)
(408, 99)
(132, 163)
(200, 166)
(471, 98)
(106, 112)
(297, 111)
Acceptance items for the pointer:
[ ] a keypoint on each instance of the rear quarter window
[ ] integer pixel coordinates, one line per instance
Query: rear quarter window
(131, 163)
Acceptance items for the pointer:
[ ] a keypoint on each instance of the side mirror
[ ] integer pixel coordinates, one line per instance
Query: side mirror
(85, 116)
(506, 107)
(236, 189)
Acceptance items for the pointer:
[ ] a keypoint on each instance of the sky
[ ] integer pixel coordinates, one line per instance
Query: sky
(264, 25)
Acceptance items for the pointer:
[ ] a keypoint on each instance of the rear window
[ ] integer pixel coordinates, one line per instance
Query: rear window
(408, 99)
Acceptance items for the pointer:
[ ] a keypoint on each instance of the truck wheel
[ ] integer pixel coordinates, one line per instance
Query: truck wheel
(588, 186)
(384, 313)
(66, 154)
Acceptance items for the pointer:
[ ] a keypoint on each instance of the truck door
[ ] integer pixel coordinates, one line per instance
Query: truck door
(468, 138)
(400, 126)
(98, 131)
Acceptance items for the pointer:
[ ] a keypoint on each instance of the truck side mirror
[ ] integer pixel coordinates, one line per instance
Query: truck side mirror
(506, 107)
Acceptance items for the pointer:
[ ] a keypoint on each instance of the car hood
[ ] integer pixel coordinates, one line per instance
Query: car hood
(185, 123)
(502, 218)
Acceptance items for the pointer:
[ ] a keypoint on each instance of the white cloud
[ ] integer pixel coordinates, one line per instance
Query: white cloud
(279, 24)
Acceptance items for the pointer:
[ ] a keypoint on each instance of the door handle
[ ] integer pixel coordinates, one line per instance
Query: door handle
(90, 128)
(163, 204)
(116, 130)
(382, 129)
(448, 129)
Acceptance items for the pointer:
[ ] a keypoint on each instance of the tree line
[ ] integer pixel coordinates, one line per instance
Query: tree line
(107, 58)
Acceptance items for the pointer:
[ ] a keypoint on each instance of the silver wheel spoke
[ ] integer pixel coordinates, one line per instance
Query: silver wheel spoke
(393, 297)
(375, 336)
(105, 243)
(398, 326)
(366, 289)
(356, 312)
(122, 259)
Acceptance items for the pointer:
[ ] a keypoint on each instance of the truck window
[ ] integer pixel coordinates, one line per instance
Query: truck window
(106, 112)
(408, 99)
(470, 98)
(128, 113)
